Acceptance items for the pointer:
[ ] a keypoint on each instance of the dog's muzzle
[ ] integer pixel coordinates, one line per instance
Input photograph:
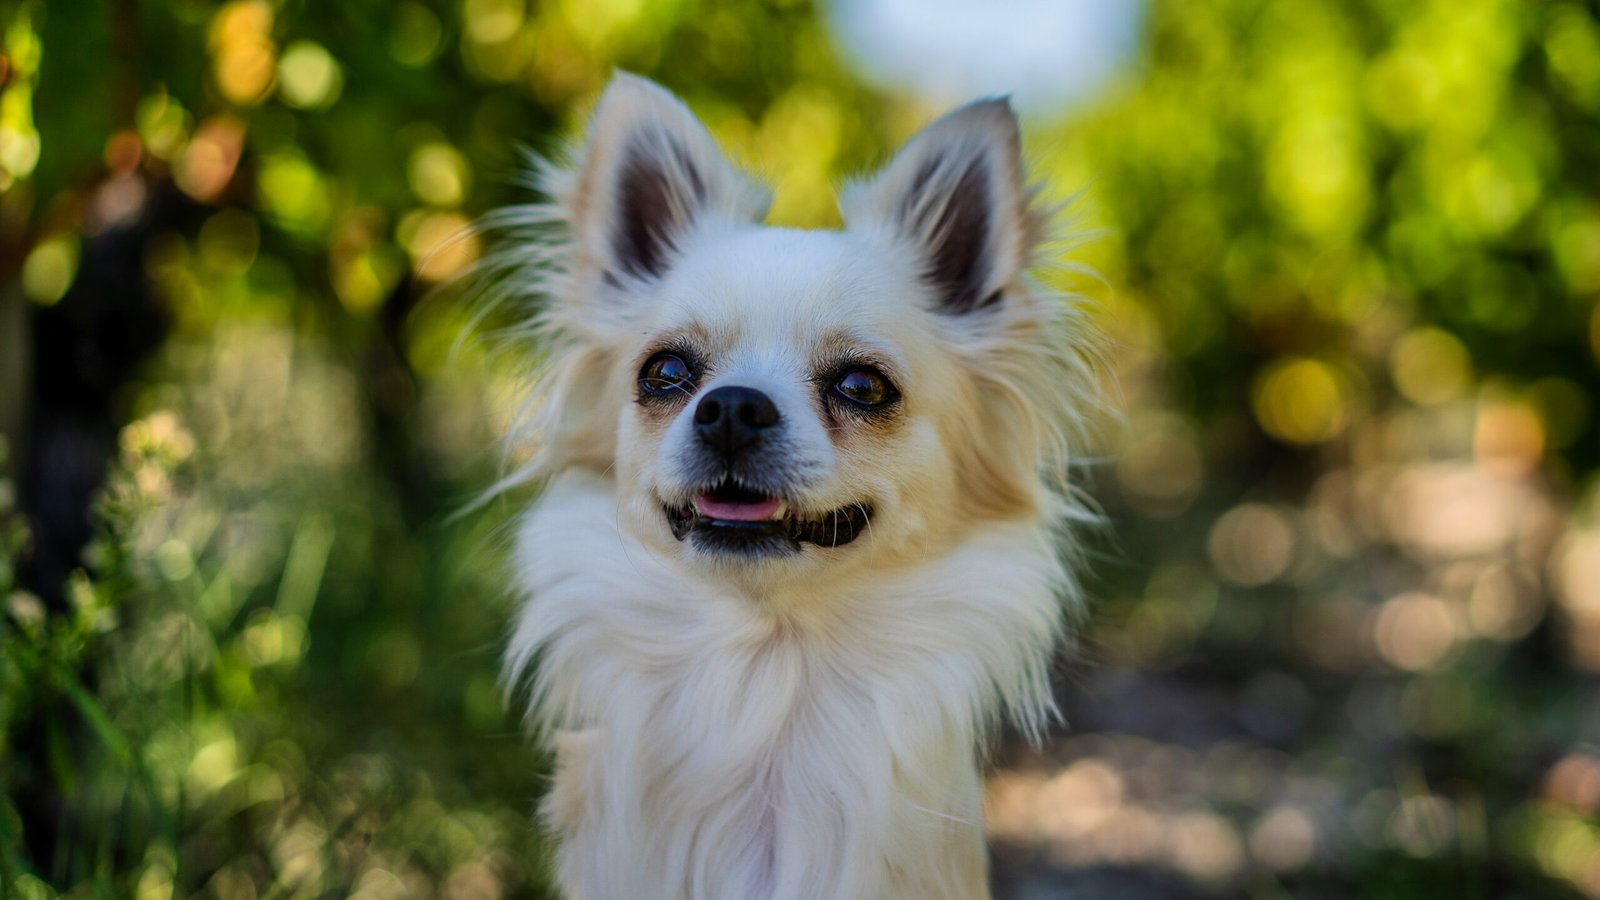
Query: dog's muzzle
(739, 510)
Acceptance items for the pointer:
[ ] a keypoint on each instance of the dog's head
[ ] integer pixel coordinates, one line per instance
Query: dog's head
(782, 403)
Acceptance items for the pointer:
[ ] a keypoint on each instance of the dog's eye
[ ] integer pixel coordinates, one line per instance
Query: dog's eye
(665, 374)
(866, 387)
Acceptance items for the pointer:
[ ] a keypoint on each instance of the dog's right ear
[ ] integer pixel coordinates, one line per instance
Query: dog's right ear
(651, 176)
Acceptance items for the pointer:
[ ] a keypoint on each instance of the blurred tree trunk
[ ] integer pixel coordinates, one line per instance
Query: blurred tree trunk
(14, 364)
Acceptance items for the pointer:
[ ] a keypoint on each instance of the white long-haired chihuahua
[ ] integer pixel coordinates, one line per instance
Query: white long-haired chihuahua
(799, 546)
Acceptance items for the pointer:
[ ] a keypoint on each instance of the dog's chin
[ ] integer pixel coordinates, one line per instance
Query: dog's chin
(726, 521)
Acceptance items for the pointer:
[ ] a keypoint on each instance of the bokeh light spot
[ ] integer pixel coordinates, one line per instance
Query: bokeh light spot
(1509, 439)
(1416, 631)
(1206, 847)
(1575, 571)
(1402, 88)
(1577, 252)
(1318, 173)
(416, 35)
(1301, 401)
(1503, 606)
(308, 76)
(294, 193)
(1252, 544)
(270, 639)
(1572, 44)
(365, 267)
(440, 244)
(214, 764)
(163, 125)
(212, 156)
(1284, 839)
(1430, 366)
(1573, 783)
(175, 560)
(122, 152)
(244, 64)
(19, 152)
(1496, 190)
(438, 174)
(491, 21)
(49, 269)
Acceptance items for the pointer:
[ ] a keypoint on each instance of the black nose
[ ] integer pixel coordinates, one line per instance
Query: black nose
(730, 419)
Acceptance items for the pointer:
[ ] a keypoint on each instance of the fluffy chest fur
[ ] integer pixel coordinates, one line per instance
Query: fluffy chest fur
(713, 745)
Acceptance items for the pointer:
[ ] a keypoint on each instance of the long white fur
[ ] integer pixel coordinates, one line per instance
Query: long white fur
(804, 729)
(734, 755)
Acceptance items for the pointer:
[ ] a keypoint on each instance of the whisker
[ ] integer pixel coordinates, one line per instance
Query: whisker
(865, 517)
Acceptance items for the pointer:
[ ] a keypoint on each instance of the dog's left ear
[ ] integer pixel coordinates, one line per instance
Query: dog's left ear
(651, 176)
(955, 192)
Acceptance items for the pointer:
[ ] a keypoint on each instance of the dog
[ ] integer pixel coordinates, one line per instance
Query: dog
(798, 550)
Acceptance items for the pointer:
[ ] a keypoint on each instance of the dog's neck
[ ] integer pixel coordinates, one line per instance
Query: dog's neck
(710, 748)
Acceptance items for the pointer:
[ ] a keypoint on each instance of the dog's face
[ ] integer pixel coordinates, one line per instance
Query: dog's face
(786, 398)
(775, 403)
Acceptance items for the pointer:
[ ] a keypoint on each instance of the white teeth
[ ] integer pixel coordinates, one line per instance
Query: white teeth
(783, 508)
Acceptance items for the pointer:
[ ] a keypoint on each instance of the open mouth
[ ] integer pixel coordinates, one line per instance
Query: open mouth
(728, 516)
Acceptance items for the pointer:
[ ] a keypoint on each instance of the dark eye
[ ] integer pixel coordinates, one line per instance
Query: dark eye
(864, 387)
(666, 374)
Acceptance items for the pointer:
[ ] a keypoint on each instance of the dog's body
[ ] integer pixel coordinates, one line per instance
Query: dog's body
(798, 551)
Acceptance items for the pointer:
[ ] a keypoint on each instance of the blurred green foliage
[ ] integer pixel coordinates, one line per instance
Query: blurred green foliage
(1344, 647)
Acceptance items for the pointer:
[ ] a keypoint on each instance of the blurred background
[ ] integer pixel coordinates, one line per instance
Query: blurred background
(1345, 634)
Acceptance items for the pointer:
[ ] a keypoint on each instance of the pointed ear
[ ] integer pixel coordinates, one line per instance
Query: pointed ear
(651, 175)
(955, 193)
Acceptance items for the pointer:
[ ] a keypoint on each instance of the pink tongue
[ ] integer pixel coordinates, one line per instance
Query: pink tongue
(712, 508)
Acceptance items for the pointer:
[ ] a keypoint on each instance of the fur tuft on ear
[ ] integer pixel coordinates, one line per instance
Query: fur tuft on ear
(647, 180)
(955, 192)
(651, 174)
